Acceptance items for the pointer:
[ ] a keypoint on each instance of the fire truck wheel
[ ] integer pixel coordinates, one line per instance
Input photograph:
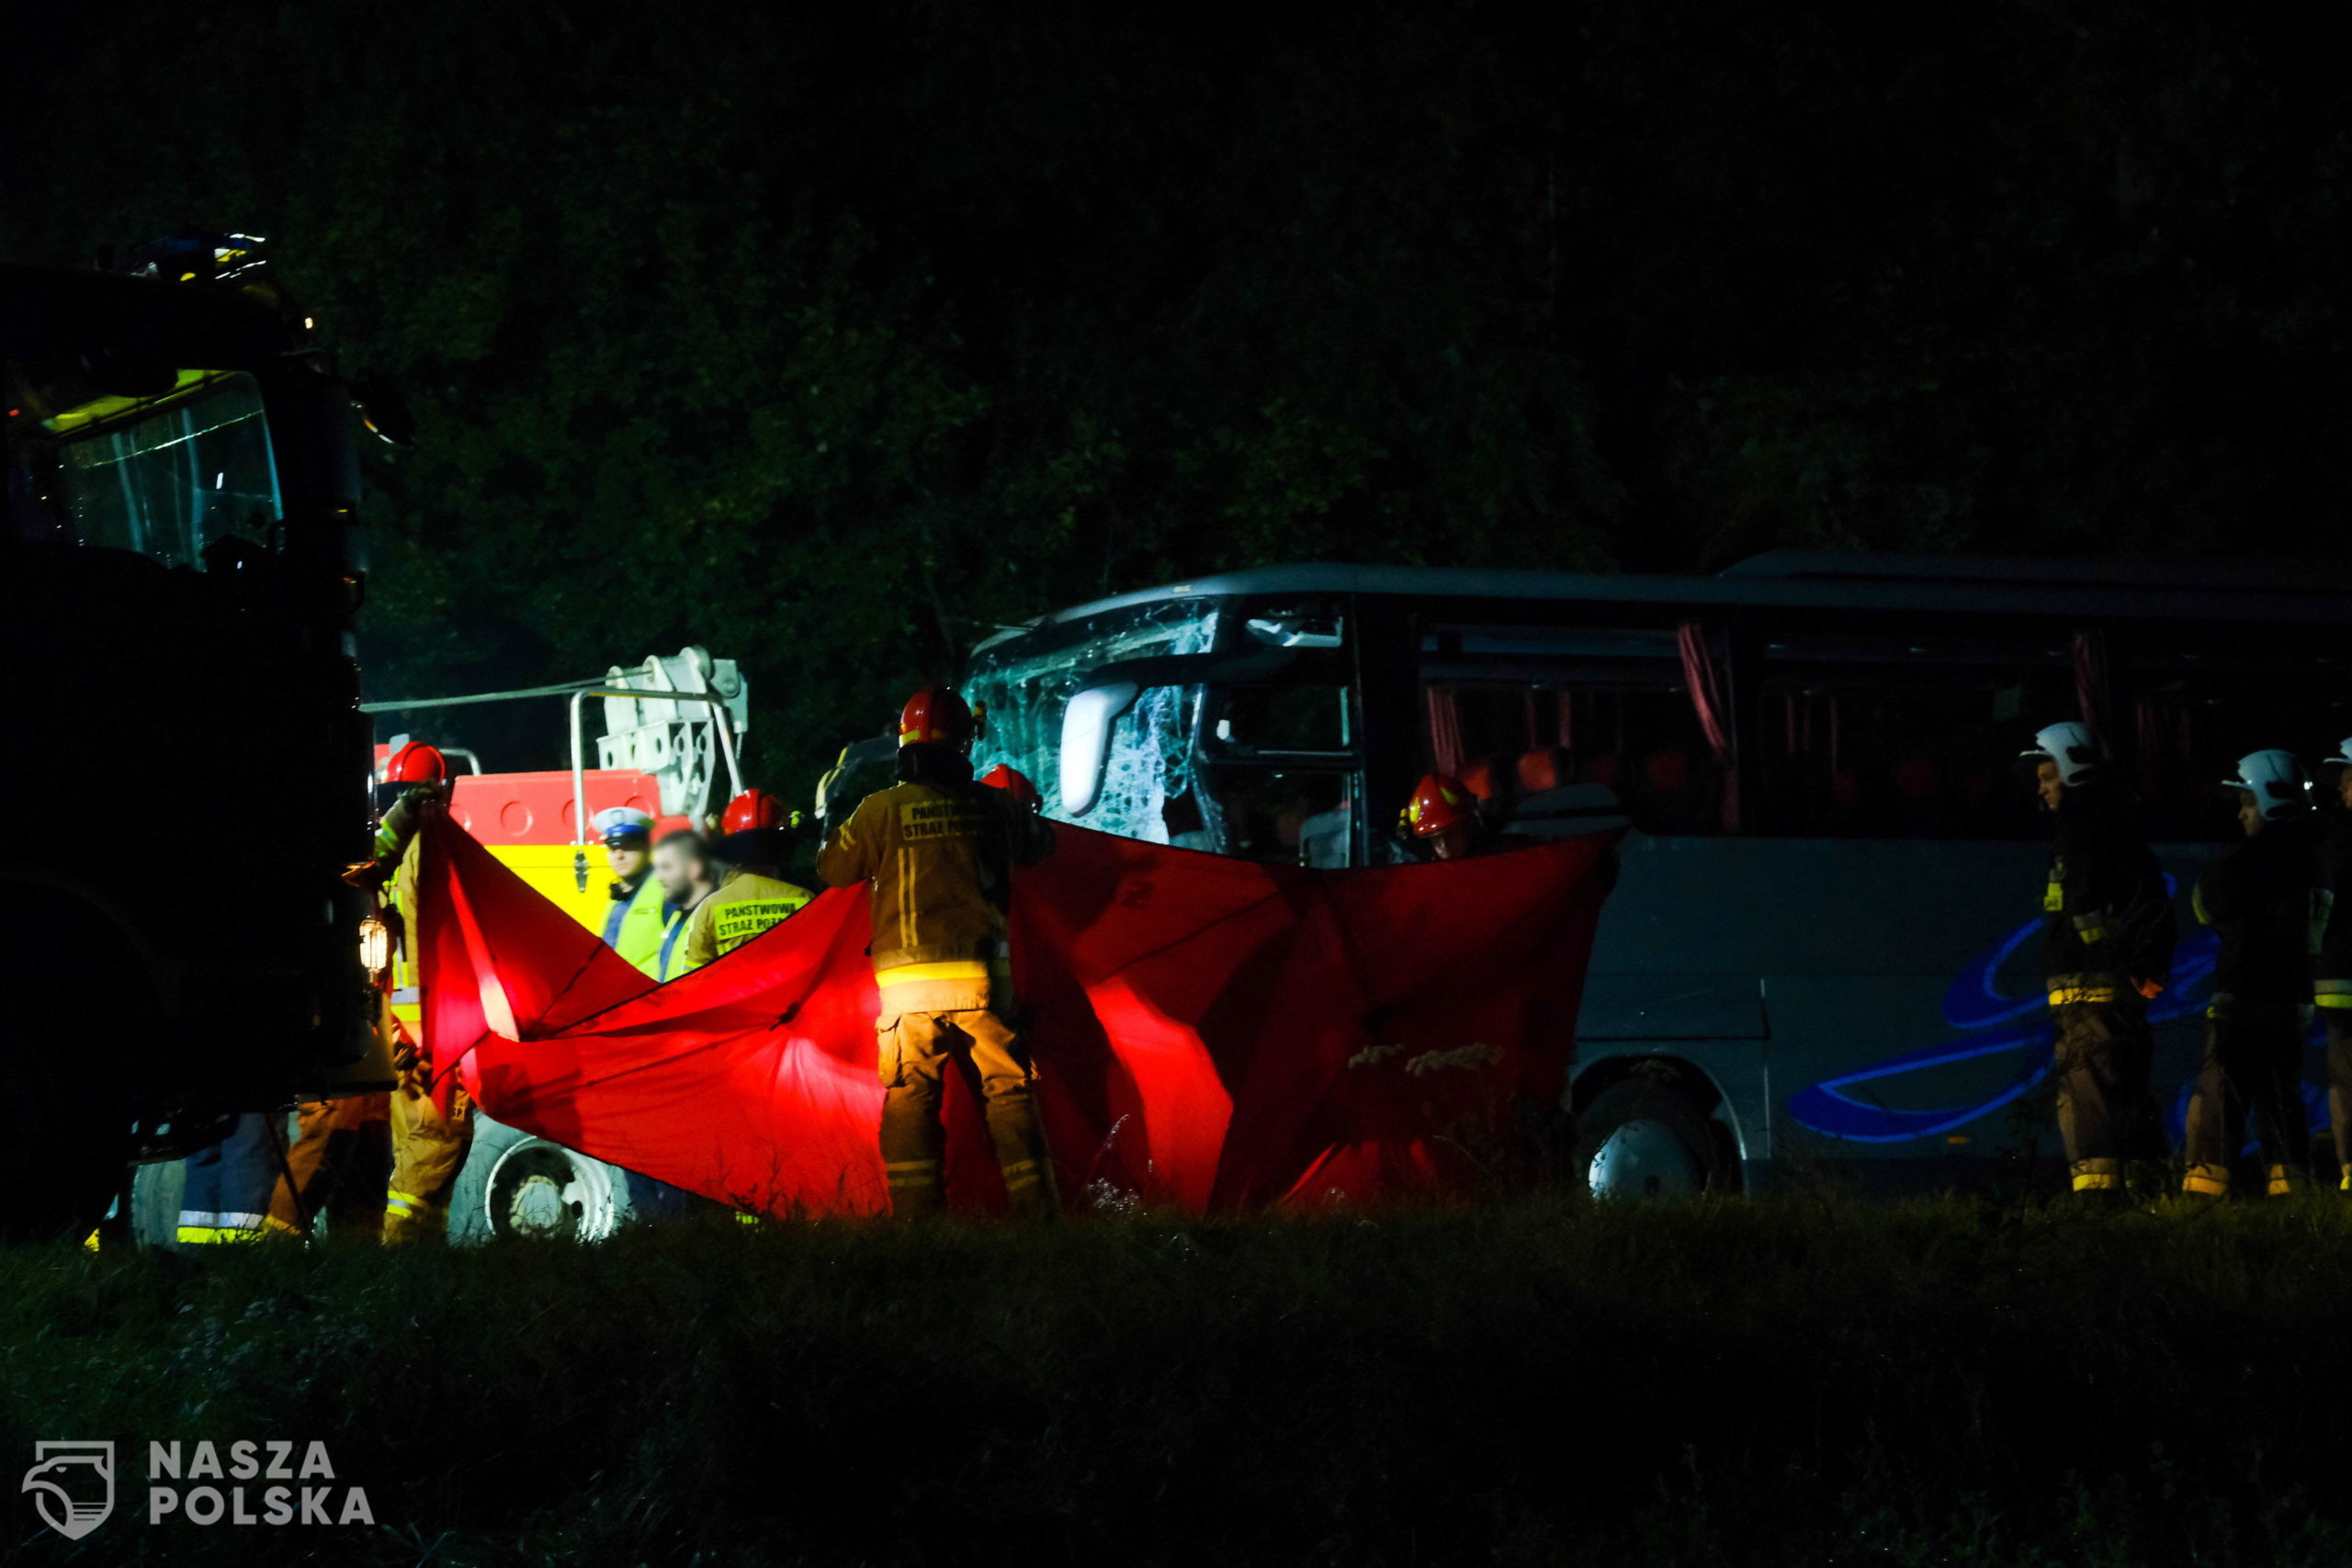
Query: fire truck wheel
(155, 1202)
(63, 1143)
(1641, 1138)
(518, 1184)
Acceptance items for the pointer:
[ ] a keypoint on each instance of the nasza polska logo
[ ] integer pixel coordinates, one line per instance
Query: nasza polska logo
(71, 1481)
(73, 1485)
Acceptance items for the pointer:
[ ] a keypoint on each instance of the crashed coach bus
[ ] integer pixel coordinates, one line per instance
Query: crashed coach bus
(188, 760)
(1822, 945)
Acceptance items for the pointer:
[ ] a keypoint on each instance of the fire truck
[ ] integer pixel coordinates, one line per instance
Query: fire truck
(178, 563)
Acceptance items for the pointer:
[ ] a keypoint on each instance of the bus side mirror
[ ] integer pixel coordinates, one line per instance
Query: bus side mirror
(1086, 741)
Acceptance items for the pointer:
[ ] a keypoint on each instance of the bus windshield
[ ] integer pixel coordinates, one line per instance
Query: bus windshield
(1221, 726)
(1028, 682)
(171, 477)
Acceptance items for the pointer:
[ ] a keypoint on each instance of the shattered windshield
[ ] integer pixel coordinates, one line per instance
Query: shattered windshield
(1027, 681)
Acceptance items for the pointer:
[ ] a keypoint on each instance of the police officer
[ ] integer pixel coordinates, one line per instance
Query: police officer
(936, 850)
(2332, 971)
(2260, 899)
(752, 896)
(2108, 949)
(633, 925)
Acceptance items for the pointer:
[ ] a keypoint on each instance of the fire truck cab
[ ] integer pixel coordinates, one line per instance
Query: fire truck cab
(177, 523)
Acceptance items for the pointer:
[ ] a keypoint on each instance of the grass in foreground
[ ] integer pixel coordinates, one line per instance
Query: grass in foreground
(1781, 1382)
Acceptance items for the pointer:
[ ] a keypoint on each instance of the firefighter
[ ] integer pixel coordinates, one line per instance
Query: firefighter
(755, 835)
(681, 865)
(936, 850)
(341, 1149)
(2108, 952)
(432, 1118)
(1443, 814)
(2260, 899)
(633, 925)
(1016, 784)
(2332, 971)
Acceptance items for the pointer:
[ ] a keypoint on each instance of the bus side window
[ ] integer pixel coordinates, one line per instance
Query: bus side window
(2189, 707)
(1642, 741)
(1867, 737)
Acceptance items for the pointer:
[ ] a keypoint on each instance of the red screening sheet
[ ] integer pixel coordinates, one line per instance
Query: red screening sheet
(1210, 1034)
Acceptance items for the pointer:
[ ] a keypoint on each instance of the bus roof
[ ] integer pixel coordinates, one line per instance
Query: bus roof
(2095, 590)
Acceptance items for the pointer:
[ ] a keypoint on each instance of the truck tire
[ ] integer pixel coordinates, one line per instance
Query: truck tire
(519, 1184)
(1642, 1138)
(155, 1202)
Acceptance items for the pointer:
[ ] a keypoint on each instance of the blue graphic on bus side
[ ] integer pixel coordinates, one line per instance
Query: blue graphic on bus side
(1843, 1108)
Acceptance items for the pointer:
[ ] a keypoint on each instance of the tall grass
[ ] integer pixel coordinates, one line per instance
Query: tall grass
(1794, 1381)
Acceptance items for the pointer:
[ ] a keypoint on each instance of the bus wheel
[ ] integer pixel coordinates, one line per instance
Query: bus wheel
(155, 1202)
(1641, 1139)
(517, 1184)
(63, 1147)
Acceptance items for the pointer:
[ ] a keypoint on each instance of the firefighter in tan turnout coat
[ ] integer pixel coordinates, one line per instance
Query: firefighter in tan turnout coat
(936, 850)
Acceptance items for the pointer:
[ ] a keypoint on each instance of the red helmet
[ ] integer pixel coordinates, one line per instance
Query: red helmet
(416, 763)
(938, 717)
(751, 810)
(1440, 801)
(1015, 783)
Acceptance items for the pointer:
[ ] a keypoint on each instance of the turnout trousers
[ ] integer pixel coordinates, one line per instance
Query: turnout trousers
(2105, 1112)
(2339, 1086)
(918, 1050)
(429, 1147)
(2254, 1061)
(341, 1152)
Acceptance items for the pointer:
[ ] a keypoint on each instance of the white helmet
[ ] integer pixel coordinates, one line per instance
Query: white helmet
(2276, 780)
(2343, 754)
(2073, 747)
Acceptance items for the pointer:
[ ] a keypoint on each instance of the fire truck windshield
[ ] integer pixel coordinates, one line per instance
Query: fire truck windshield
(167, 476)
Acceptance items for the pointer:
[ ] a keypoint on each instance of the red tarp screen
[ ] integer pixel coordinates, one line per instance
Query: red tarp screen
(1208, 1032)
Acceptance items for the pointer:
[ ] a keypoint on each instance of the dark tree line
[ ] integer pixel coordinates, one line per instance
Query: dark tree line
(833, 336)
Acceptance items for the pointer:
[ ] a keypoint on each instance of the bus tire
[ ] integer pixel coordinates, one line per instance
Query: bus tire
(1643, 1138)
(519, 1184)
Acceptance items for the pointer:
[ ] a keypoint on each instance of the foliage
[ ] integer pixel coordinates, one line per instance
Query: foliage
(832, 338)
(1795, 1381)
